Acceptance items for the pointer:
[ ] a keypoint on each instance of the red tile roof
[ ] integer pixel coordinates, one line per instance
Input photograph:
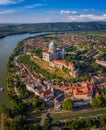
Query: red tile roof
(82, 90)
(71, 64)
(64, 63)
(63, 87)
(60, 62)
(46, 93)
(97, 94)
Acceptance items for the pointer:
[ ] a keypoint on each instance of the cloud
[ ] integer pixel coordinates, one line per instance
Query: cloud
(8, 11)
(63, 12)
(68, 12)
(87, 17)
(6, 2)
(35, 5)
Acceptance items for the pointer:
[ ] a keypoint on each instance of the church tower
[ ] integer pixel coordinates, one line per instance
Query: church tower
(63, 53)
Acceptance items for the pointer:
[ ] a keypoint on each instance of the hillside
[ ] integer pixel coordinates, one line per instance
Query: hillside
(11, 29)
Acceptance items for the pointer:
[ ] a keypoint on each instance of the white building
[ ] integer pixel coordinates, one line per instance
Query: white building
(53, 53)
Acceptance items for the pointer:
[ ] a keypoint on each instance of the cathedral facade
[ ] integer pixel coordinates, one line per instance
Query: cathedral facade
(53, 53)
(55, 58)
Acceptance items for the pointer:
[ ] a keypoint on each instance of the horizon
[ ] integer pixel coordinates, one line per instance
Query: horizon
(51, 11)
(56, 22)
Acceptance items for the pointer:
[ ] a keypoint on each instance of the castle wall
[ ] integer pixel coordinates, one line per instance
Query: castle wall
(54, 54)
(81, 96)
(49, 56)
(46, 56)
(74, 73)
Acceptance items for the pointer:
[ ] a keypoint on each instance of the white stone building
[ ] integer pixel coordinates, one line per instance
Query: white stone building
(53, 53)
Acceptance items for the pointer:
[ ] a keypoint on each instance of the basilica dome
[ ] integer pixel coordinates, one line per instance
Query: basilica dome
(52, 47)
(52, 44)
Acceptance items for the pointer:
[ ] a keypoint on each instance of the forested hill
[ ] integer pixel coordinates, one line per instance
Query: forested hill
(10, 29)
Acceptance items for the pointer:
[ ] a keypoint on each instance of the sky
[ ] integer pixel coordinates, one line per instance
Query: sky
(46, 11)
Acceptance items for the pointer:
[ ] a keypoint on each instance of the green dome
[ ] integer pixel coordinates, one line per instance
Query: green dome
(53, 44)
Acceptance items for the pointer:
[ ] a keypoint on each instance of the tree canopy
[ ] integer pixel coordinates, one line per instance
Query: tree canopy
(67, 104)
(99, 101)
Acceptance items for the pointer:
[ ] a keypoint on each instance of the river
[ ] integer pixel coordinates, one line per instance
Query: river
(7, 45)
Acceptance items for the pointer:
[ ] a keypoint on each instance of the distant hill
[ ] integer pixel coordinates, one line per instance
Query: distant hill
(11, 29)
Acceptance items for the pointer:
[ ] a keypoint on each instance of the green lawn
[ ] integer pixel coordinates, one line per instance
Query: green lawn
(45, 65)
(70, 114)
(50, 35)
(101, 34)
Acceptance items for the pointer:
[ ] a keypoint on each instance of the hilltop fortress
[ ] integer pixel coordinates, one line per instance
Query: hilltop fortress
(55, 58)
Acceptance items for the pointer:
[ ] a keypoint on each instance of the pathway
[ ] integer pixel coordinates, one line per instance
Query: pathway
(43, 117)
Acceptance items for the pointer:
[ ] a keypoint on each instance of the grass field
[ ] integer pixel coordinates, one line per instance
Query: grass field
(71, 115)
(50, 35)
(45, 65)
(101, 34)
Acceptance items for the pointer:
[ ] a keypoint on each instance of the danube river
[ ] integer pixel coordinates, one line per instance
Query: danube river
(7, 45)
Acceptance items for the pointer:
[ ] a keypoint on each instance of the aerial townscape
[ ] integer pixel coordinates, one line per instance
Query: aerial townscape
(52, 65)
(59, 82)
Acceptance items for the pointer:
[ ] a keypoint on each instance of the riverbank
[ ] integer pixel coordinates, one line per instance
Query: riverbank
(7, 46)
(23, 103)
(14, 29)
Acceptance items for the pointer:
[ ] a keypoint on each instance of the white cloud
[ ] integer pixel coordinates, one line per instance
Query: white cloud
(6, 2)
(68, 12)
(63, 12)
(35, 5)
(87, 17)
(8, 11)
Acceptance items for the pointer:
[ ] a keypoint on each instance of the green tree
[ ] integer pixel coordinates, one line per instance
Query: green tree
(36, 127)
(97, 102)
(67, 104)
(6, 111)
(47, 125)
(74, 125)
(38, 103)
(102, 121)
(88, 123)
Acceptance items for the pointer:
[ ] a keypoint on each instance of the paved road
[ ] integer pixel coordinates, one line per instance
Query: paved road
(43, 117)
